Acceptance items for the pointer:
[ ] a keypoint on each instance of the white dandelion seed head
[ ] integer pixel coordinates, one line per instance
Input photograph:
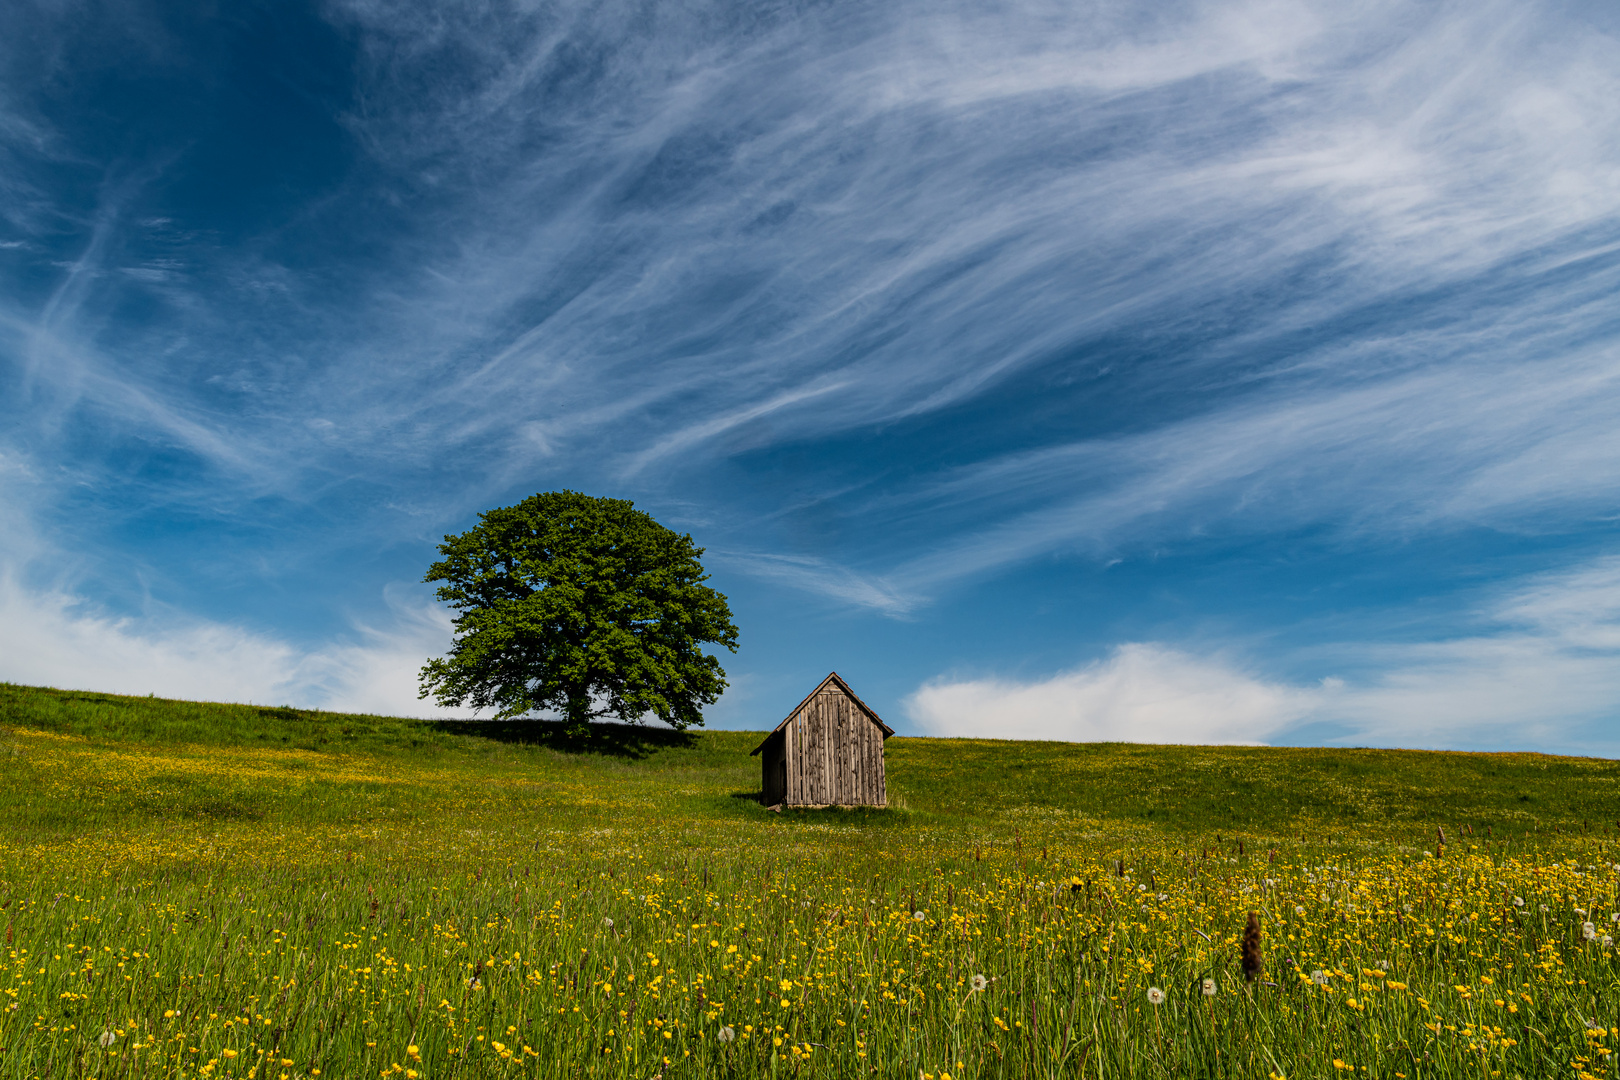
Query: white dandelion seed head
(608, 923)
(1209, 987)
(979, 983)
(727, 1034)
(1581, 912)
(1518, 901)
(1608, 942)
(107, 1038)
(1543, 908)
(919, 915)
(1319, 977)
(1614, 917)
(1155, 996)
(1383, 965)
(1299, 909)
(1588, 931)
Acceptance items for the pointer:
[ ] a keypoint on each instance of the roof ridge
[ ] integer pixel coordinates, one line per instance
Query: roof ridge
(832, 677)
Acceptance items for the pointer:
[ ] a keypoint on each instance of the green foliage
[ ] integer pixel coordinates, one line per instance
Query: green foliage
(581, 605)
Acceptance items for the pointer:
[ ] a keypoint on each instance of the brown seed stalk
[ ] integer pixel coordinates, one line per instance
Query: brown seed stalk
(1252, 964)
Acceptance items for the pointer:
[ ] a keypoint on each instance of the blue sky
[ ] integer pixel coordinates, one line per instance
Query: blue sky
(1228, 372)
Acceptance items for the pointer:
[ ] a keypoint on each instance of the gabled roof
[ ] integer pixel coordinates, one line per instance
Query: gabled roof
(842, 685)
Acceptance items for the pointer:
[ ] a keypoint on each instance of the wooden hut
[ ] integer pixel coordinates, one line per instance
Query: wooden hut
(828, 752)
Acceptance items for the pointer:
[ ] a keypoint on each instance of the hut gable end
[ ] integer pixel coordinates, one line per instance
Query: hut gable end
(827, 752)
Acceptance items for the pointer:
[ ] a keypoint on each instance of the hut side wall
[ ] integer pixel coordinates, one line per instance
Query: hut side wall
(834, 754)
(773, 768)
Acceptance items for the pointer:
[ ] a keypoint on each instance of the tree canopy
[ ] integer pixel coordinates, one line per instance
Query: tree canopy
(579, 605)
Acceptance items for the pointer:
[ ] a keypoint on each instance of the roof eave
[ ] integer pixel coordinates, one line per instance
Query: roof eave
(774, 733)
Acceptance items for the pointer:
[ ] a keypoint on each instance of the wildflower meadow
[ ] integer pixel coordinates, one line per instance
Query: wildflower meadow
(221, 891)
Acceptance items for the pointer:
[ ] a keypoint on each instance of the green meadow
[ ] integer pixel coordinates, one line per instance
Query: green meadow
(208, 890)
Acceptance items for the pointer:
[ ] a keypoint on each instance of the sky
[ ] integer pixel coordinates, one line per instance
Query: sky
(1240, 372)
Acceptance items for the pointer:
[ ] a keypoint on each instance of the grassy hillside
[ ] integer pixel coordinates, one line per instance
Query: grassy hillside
(213, 891)
(418, 767)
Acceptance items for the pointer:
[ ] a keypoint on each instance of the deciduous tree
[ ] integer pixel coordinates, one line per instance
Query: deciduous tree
(579, 605)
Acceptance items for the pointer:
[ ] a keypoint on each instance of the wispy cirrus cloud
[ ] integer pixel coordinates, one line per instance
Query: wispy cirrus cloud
(985, 285)
(1376, 149)
(708, 221)
(1511, 446)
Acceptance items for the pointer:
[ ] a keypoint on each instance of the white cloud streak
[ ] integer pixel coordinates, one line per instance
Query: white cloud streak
(1410, 147)
(672, 239)
(1091, 174)
(1508, 446)
(1143, 693)
(52, 635)
(1543, 673)
(1269, 263)
(50, 638)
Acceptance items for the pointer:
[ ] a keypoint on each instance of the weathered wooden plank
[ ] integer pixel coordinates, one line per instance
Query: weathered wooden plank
(862, 758)
(807, 761)
(855, 757)
(796, 767)
(835, 730)
(874, 758)
(818, 742)
(857, 724)
(830, 753)
(866, 763)
(829, 735)
(835, 723)
(846, 733)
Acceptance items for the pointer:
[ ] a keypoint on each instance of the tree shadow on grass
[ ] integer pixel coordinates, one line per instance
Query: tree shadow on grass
(632, 741)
